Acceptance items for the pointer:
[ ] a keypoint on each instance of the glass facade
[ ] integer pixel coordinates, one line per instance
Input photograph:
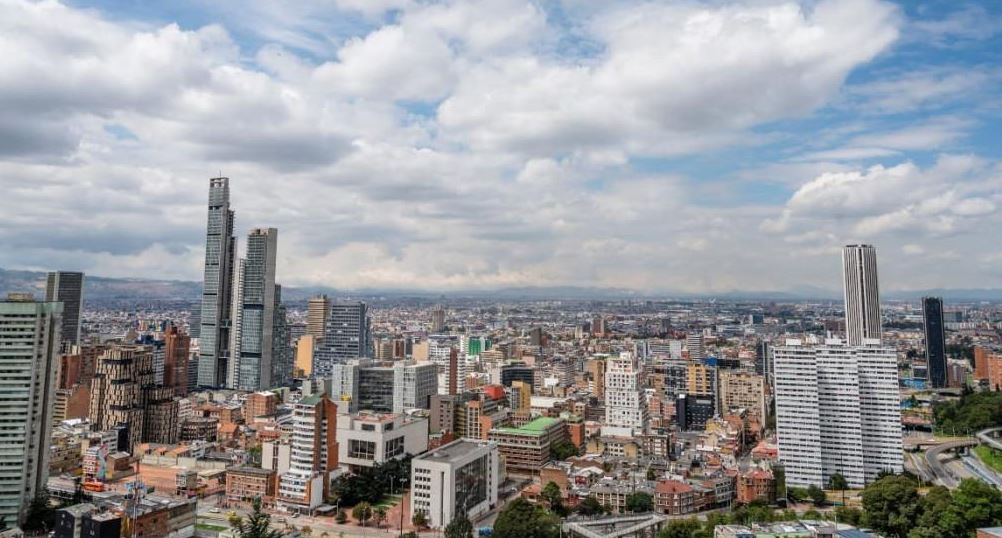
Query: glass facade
(471, 484)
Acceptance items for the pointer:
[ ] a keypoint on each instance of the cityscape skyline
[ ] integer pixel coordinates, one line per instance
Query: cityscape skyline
(883, 133)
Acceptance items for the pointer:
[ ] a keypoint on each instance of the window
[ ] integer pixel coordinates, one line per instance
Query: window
(365, 450)
(394, 447)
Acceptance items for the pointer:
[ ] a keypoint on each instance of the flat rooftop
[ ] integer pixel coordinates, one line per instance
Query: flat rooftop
(451, 451)
(536, 426)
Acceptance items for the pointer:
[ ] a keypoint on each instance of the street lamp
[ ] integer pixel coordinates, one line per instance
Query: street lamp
(402, 480)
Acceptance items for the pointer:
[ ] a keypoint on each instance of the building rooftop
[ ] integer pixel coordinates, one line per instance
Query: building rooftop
(537, 426)
(452, 451)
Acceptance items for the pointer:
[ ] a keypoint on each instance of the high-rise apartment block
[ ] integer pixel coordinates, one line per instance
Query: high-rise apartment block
(935, 341)
(346, 337)
(988, 368)
(862, 294)
(29, 343)
(317, 311)
(743, 390)
(437, 320)
(625, 405)
(220, 246)
(67, 287)
(314, 452)
(837, 411)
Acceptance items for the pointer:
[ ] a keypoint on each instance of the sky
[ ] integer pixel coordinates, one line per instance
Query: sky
(665, 146)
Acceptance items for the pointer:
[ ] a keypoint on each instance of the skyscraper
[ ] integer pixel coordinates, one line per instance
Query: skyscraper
(214, 335)
(625, 405)
(437, 320)
(282, 361)
(317, 311)
(176, 351)
(935, 341)
(29, 343)
(67, 287)
(253, 370)
(862, 295)
(837, 411)
(346, 337)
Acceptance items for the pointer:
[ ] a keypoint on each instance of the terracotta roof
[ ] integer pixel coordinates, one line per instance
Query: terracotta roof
(672, 486)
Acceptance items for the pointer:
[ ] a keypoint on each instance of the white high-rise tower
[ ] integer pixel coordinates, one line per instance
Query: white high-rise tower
(625, 406)
(862, 295)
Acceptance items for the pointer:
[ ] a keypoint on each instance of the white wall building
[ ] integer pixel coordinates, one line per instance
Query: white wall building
(625, 405)
(366, 439)
(413, 385)
(862, 294)
(837, 411)
(463, 474)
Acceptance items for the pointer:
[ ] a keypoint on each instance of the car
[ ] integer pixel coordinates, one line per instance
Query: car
(214, 510)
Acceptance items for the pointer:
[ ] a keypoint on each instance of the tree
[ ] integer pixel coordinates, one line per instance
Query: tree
(41, 515)
(974, 504)
(812, 515)
(681, 528)
(845, 514)
(589, 506)
(522, 519)
(797, 494)
(816, 495)
(410, 534)
(561, 450)
(306, 530)
(380, 515)
(362, 512)
(554, 498)
(256, 525)
(341, 518)
(639, 502)
(837, 481)
(459, 527)
(891, 505)
(420, 520)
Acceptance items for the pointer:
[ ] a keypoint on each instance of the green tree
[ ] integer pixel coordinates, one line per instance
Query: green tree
(639, 502)
(974, 504)
(838, 482)
(812, 515)
(459, 527)
(256, 525)
(554, 498)
(41, 515)
(816, 495)
(379, 513)
(589, 506)
(420, 520)
(845, 514)
(522, 519)
(362, 512)
(681, 528)
(561, 450)
(933, 505)
(891, 505)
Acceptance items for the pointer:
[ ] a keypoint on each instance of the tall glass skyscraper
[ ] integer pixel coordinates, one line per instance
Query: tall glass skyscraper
(253, 369)
(935, 341)
(214, 334)
(862, 295)
(67, 287)
(346, 337)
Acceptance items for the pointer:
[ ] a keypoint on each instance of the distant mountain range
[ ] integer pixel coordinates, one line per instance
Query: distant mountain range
(139, 289)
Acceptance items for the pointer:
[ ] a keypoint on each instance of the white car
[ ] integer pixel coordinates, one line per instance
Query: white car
(214, 510)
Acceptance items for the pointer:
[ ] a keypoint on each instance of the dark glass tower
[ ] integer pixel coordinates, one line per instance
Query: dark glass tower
(935, 341)
(214, 334)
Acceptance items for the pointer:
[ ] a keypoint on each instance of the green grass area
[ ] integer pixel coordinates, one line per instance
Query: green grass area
(991, 458)
(390, 500)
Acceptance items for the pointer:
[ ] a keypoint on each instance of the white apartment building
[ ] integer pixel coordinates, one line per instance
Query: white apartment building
(462, 475)
(837, 411)
(313, 457)
(625, 404)
(367, 439)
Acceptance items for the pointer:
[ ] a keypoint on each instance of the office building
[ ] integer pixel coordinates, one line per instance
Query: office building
(763, 360)
(317, 312)
(935, 341)
(29, 343)
(694, 345)
(313, 455)
(437, 320)
(383, 387)
(461, 476)
(596, 371)
(518, 372)
(413, 385)
(177, 350)
(526, 449)
(67, 287)
(236, 322)
(305, 345)
(521, 396)
(282, 358)
(369, 439)
(625, 405)
(988, 368)
(862, 294)
(346, 337)
(214, 334)
(443, 351)
(258, 312)
(692, 411)
(837, 411)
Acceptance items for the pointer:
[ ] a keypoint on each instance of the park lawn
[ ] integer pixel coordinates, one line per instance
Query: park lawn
(390, 501)
(989, 457)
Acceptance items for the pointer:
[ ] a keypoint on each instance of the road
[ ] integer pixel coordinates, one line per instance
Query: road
(937, 466)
